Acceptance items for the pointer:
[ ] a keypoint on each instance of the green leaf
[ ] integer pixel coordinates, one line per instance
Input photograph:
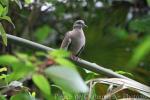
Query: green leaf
(3, 69)
(5, 11)
(90, 75)
(20, 70)
(22, 56)
(3, 34)
(42, 33)
(119, 32)
(59, 53)
(124, 73)
(148, 1)
(22, 96)
(140, 25)
(3, 76)
(67, 78)
(28, 1)
(3, 82)
(65, 63)
(141, 51)
(39, 53)
(8, 19)
(4, 2)
(8, 60)
(42, 83)
(2, 97)
(1, 10)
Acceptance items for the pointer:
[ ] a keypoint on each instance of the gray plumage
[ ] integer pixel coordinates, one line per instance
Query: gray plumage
(74, 40)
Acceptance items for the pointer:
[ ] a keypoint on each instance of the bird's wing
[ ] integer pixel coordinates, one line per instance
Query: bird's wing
(66, 41)
(78, 54)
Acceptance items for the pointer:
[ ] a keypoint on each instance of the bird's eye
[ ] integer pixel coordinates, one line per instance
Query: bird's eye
(79, 23)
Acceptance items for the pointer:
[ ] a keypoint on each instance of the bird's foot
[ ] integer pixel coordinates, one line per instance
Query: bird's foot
(75, 58)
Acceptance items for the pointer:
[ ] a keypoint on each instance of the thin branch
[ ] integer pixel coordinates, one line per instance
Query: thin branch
(85, 64)
(24, 42)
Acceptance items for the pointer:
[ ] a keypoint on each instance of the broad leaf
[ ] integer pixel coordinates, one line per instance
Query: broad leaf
(67, 78)
(3, 76)
(140, 52)
(59, 53)
(65, 63)
(22, 96)
(42, 33)
(20, 70)
(3, 10)
(28, 1)
(42, 83)
(8, 60)
(2, 97)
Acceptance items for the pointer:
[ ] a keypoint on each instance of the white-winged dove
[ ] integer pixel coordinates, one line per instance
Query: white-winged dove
(74, 40)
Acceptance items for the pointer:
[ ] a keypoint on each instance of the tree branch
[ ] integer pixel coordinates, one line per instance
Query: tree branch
(85, 64)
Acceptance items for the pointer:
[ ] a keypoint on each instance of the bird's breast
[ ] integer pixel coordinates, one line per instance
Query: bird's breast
(78, 41)
(79, 38)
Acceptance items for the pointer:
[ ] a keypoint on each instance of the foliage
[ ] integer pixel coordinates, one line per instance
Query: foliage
(23, 66)
(141, 51)
(63, 77)
(117, 37)
(4, 4)
(42, 83)
(23, 96)
(39, 33)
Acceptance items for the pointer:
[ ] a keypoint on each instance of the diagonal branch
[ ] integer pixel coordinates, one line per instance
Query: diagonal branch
(85, 64)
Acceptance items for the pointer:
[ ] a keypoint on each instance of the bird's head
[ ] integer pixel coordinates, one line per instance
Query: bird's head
(79, 24)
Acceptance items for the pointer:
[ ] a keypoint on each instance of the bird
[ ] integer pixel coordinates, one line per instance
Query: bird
(74, 40)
